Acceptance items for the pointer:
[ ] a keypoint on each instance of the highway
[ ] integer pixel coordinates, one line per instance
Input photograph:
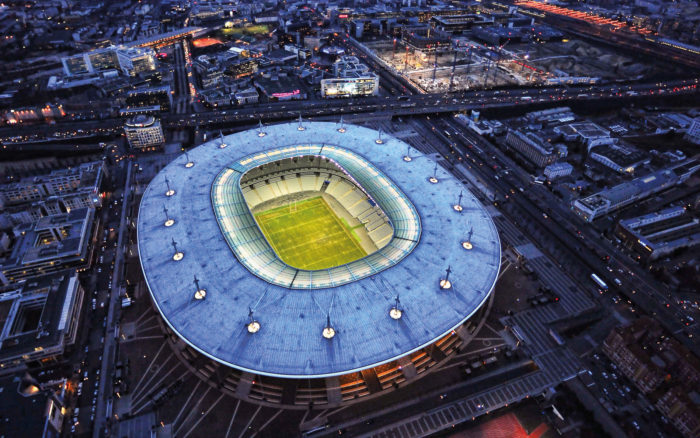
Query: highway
(388, 106)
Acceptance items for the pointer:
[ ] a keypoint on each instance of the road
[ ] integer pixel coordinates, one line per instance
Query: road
(388, 106)
(104, 401)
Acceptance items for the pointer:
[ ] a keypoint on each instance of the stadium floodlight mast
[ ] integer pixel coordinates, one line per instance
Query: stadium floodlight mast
(261, 133)
(178, 255)
(169, 192)
(189, 163)
(169, 222)
(445, 282)
(433, 179)
(342, 125)
(458, 206)
(467, 244)
(407, 157)
(328, 330)
(253, 326)
(396, 312)
(301, 126)
(222, 143)
(199, 292)
(379, 137)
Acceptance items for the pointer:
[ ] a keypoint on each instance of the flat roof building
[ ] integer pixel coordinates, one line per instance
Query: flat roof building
(659, 234)
(57, 192)
(618, 157)
(48, 245)
(614, 198)
(39, 320)
(532, 147)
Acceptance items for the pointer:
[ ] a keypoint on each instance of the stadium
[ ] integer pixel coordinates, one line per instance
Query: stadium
(314, 263)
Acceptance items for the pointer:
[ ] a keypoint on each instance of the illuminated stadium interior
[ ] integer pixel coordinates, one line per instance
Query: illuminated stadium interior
(385, 223)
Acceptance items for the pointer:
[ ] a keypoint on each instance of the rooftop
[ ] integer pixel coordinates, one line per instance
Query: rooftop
(289, 341)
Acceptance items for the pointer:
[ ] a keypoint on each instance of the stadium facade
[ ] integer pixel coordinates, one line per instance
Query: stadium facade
(252, 324)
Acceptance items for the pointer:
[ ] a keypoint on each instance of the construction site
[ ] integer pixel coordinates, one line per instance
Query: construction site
(464, 63)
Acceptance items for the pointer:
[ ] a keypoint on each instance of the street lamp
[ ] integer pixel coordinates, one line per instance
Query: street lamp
(445, 282)
(328, 330)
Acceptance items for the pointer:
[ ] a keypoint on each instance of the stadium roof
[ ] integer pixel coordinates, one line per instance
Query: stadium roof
(289, 342)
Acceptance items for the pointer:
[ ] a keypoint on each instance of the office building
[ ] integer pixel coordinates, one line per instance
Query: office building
(40, 320)
(129, 60)
(47, 245)
(143, 132)
(135, 60)
(57, 192)
(533, 147)
(208, 70)
(148, 96)
(352, 78)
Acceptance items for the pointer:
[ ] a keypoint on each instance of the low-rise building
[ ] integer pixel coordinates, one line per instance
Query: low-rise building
(618, 157)
(532, 147)
(558, 170)
(249, 95)
(659, 234)
(588, 133)
(693, 132)
(621, 195)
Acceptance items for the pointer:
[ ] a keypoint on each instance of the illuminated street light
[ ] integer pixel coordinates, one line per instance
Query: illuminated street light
(379, 137)
(328, 330)
(170, 191)
(178, 255)
(188, 163)
(169, 222)
(396, 312)
(253, 326)
(445, 282)
(433, 179)
(199, 293)
(458, 206)
(467, 244)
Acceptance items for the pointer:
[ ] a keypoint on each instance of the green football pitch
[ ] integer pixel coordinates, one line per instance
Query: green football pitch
(309, 235)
